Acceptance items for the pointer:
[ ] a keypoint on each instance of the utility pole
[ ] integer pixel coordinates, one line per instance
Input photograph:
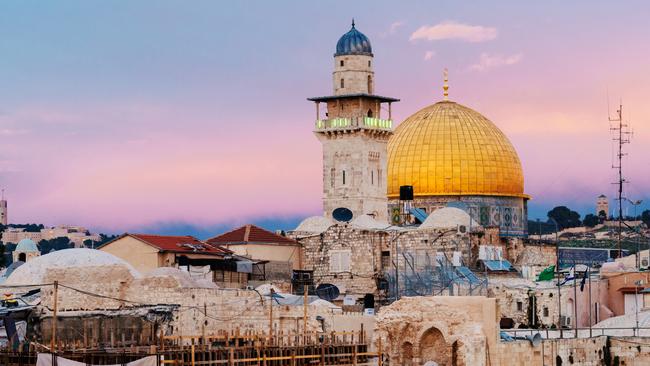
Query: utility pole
(621, 137)
(54, 317)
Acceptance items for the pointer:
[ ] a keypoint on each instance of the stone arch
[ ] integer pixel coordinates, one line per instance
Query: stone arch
(407, 354)
(434, 347)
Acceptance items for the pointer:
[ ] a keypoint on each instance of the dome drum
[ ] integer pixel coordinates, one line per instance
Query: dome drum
(509, 214)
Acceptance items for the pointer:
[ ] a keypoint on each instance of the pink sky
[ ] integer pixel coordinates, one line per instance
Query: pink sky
(157, 123)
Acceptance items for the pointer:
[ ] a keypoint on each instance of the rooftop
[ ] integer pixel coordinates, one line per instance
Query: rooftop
(250, 234)
(180, 244)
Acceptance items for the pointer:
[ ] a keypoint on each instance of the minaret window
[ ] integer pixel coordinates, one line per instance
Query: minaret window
(332, 177)
(368, 63)
(344, 177)
(369, 84)
(342, 62)
(372, 177)
(369, 112)
(342, 83)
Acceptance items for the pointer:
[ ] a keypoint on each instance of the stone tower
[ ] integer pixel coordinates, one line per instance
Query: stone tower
(602, 204)
(353, 134)
(3, 210)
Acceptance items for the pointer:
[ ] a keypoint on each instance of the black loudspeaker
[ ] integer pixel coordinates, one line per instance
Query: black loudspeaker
(369, 301)
(406, 193)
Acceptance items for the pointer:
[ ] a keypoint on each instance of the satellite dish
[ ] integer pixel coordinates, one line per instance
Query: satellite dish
(535, 340)
(342, 214)
(327, 291)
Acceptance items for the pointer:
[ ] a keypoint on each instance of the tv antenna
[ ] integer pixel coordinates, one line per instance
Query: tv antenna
(622, 135)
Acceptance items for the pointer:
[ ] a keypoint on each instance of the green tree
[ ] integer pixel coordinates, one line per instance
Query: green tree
(591, 220)
(602, 215)
(59, 243)
(565, 217)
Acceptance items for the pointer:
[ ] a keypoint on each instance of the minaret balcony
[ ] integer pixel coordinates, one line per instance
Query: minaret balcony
(354, 123)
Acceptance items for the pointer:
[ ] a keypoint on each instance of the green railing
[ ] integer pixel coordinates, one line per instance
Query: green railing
(377, 123)
(365, 122)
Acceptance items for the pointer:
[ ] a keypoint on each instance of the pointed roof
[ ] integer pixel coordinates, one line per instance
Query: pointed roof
(250, 234)
(177, 244)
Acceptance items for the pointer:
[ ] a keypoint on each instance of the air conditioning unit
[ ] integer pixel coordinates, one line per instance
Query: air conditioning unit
(565, 321)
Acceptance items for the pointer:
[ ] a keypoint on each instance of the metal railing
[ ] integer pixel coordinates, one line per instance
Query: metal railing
(355, 122)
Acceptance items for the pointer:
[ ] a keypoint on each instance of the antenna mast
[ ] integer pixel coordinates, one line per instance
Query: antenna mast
(621, 137)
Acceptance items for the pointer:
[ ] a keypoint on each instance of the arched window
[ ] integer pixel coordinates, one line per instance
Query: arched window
(342, 63)
(22, 257)
(372, 177)
(344, 177)
(369, 84)
(369, 112)
(368, 63)
(342, 83)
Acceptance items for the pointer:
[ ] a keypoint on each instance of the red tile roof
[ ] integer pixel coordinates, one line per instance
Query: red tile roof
(251, 234)
(188, 244)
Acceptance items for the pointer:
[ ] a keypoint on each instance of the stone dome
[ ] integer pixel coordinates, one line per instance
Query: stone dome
(447, 218)
(34, 270)
(447, 149)
(26, 245)
(353, 43)
(314, 224)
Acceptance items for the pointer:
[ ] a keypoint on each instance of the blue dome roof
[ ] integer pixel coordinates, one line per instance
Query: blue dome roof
(353, 43)
(26, 245)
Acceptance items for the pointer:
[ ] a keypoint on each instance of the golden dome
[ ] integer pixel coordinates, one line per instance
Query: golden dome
(447, 149)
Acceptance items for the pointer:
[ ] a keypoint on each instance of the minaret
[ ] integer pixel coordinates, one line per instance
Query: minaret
(3, 209)
(353, 133)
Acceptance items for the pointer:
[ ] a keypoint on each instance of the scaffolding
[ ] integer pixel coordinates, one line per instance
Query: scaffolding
(418, 274)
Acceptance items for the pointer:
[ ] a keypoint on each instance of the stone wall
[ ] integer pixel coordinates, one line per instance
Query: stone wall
(374, 252)
(199, 308)
(450, 330)
(596, 351)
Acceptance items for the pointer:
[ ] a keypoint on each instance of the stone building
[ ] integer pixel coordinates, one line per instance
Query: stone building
(76, 234)
(98, 285)
(4, 218)
(282, 254)
(147, 252)
(353, 134)
(602, 206)
(26, 250)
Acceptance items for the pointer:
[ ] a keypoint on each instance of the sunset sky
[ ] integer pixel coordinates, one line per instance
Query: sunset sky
(191, 116)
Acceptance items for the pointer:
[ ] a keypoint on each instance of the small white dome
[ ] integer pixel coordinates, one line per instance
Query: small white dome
(368, 222)
(314, 224)
(447, 218)
(26, 245)
(34, 271)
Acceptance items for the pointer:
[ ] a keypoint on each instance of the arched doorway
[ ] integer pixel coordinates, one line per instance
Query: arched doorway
(407, 354)
(22, 257)
(433, 347)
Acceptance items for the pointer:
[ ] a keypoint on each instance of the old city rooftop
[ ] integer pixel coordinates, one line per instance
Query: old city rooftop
(250, 234)
(176, 244)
